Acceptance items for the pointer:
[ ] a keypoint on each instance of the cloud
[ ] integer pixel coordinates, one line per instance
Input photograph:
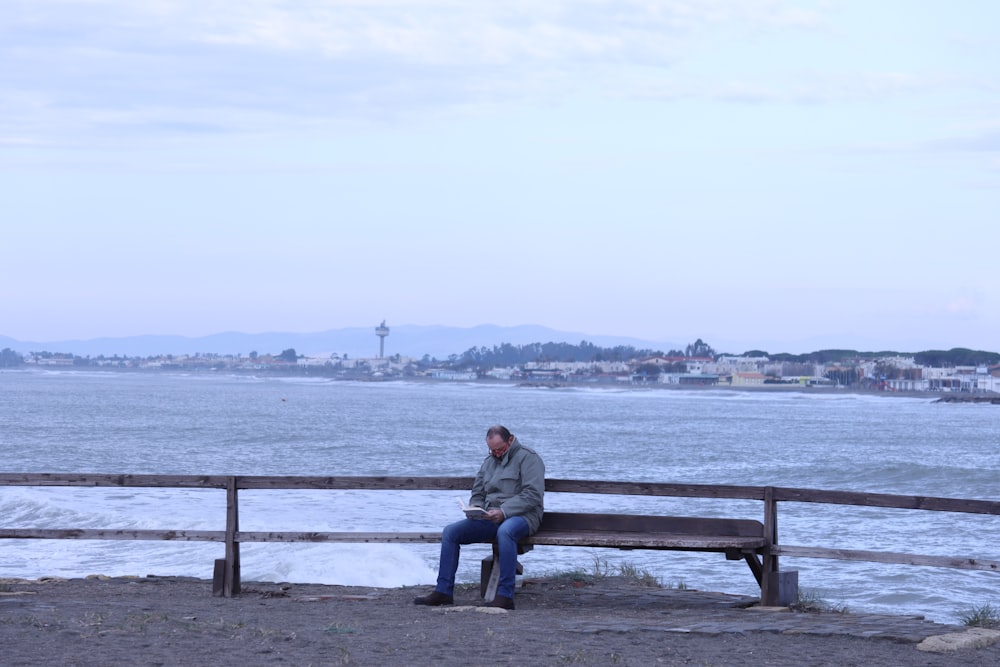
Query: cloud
(962, 307)
(984, 141)
(92, 67)
(944, 305)
(113, 74)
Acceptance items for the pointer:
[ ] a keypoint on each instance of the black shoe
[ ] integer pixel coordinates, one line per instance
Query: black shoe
(434, 599)
(502, 602)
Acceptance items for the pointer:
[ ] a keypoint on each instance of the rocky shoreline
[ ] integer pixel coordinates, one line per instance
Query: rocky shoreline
(969, 398)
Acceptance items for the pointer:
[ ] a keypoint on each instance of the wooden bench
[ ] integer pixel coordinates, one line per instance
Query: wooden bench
(736, 538)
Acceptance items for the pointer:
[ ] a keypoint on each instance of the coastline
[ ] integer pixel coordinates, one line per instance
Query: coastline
(175, 620)
(930, 396)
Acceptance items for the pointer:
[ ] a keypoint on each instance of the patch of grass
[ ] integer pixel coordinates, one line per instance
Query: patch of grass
(576, 576)
(811, 602)
(602, 569)
(641, 575)
(983, 616)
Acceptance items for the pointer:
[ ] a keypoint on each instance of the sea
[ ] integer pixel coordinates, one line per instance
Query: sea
(208, 423)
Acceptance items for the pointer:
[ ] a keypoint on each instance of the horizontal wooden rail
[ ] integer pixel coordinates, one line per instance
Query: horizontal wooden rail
(887, 557)
(887, 500)
(374, 484)
(721, 491)
(242, 482)
(356, 483)
(112, 534)
(343, 536)
(102, 479)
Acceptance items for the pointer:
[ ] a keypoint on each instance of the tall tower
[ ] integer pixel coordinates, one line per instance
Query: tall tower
(381, 331)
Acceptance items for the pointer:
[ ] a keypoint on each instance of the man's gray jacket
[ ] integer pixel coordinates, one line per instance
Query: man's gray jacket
(515, 483)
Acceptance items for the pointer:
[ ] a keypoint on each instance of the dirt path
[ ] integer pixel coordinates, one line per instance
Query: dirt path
(172, 621)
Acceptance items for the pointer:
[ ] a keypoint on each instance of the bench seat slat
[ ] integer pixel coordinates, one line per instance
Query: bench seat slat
(645, 523)
(626, 540)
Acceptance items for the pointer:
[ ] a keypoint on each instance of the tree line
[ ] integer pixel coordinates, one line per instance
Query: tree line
(507, 354)
(958, 356)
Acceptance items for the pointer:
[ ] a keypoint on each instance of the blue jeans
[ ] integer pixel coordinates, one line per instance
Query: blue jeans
(474, 531)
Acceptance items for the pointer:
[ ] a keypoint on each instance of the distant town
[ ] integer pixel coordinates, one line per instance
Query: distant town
(956, 371)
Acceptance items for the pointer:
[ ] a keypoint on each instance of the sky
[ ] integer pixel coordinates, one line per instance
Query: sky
(761, 174)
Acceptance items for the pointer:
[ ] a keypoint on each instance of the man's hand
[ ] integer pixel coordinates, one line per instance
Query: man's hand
(495, 515)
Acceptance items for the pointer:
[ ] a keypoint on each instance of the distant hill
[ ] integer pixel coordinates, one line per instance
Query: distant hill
(357, 342)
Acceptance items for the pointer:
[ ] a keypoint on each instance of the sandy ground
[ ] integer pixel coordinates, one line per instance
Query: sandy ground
(176, 621)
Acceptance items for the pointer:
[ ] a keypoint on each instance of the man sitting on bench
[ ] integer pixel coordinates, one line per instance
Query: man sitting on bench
(510, 486)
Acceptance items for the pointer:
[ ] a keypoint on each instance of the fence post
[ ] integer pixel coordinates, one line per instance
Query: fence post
(231, 585)
(770, 563)
(770, 528)
(777, 589)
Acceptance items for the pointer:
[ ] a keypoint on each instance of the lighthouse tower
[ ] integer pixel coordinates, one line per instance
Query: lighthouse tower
(381, 331)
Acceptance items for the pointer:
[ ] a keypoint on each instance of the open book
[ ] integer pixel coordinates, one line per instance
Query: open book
(471, 511)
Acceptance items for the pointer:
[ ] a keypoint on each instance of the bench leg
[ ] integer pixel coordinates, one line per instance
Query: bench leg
(219, 578)
(756, 567)
(489, 575)
(782, 589)
(489, 578)
(226, 580)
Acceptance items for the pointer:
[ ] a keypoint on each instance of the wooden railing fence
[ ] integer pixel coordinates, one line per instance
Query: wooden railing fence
(227, 569)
